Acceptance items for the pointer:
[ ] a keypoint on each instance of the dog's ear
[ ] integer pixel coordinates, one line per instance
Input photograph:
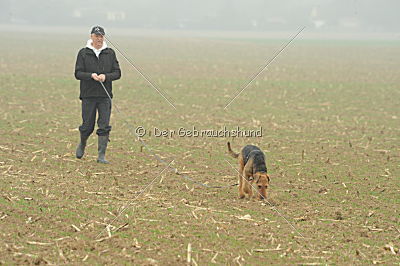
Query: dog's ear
(269, 179)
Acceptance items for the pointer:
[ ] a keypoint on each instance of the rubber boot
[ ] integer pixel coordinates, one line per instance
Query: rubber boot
(80, 150)
(102, 147)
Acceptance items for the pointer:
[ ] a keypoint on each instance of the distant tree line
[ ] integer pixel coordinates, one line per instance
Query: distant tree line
(371, 15)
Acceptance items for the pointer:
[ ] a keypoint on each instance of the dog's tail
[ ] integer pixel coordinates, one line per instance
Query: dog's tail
(231, 152)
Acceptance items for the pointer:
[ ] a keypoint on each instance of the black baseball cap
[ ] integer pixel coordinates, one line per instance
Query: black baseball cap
(98, 30)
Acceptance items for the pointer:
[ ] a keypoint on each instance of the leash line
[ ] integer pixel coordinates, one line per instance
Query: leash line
(129, 203)
(140, 72)
(263, 68)
(272, 206)
(158, 158)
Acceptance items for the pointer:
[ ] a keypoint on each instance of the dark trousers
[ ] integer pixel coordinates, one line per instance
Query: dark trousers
(89, 108)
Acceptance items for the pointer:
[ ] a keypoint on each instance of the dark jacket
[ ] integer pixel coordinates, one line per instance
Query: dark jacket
(88, 63)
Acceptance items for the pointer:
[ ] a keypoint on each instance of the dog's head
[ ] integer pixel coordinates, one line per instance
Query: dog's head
(262, 183)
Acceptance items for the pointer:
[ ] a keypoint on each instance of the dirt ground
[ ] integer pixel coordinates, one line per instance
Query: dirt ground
(329, 115)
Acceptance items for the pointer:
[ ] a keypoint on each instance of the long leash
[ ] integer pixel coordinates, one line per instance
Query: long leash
(158, 158)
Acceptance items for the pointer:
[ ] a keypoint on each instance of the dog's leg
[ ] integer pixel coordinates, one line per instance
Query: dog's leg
(249, 187)
(246, 186)
(247, 174)
(241, 192)
(241, 167)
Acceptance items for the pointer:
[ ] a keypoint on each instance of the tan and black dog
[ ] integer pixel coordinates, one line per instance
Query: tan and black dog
(251, 167)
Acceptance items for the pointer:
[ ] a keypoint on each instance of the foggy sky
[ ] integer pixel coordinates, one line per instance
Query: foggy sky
(242, 15)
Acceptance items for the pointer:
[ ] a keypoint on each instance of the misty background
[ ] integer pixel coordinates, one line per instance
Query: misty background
(369, 16)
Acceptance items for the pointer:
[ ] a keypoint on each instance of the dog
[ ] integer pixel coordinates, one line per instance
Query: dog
(252, 169)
